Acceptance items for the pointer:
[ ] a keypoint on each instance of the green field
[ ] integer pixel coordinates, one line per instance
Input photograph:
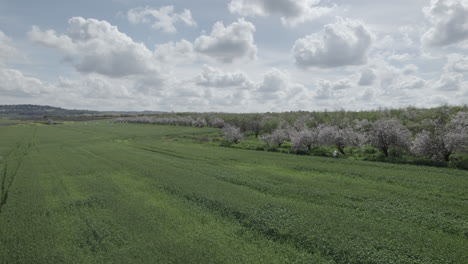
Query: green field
(122, 193)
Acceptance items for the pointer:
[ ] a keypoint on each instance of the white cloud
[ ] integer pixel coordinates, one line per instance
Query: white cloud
(331, 89)
(449, 19)
(399, 57)
(449, 82)
(95, 46)
(292, 12)
(410, 69)
(346, 42)
(163, 18)
(227, 44)
(274, 81)
(457, 63)
(412, 82)
(277, 85)
(96, 86)
(213, 77)
(367, 77)
(7, 51)
(15, 83)
(175, 52)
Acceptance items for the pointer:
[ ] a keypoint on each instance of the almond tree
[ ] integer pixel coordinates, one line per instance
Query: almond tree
(277, 138)
(305, 138)
(440, 140)
(256, 126)
(340, 137)
(200, 122)
(216, 122)
(232, 134)
(386, 134)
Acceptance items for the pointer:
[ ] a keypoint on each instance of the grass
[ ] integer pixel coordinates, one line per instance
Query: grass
(120, 193)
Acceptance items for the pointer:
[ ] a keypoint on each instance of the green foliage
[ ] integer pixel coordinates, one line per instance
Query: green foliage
(121, 193)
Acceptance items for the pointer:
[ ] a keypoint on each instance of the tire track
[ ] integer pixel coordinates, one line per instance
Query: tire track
(8, 176)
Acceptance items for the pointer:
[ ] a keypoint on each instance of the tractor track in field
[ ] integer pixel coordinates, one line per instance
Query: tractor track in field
(8, 176)
(163, 152)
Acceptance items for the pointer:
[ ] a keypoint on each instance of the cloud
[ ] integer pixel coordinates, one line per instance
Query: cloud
(96, 46)
(395, 82)
(163, 18)
(277, 85)
(212, 77)
(410, 69)
(15, 83)
(331, 89)
(449, 82)
(274, 81)
(457, 63)
(180, 52)
(346, 42)
(449, 22)
(412, 82)
(96, 87)
(7, 51)
(227, 44)
(292, 12)
(367, 77)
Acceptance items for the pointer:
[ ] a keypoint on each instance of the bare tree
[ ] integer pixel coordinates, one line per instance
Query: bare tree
(386, 134)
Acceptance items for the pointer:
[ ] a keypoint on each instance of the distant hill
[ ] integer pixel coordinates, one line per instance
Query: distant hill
(40, 110)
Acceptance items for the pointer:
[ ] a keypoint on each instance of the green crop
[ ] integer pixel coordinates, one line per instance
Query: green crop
(125, 193)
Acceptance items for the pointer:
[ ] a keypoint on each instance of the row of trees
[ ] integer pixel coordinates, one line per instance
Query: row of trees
(175, 121)
(438, 136)
(439, 141)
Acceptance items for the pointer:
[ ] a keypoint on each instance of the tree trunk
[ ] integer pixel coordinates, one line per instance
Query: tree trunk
(447, 156)
(385, 151)
(341, 150)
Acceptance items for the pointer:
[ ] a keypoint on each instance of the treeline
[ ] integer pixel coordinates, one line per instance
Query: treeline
(40, 110)
(439, 135)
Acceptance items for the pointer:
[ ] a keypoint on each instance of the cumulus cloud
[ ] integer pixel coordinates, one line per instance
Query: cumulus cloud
(331, 89)
(346, 42)
(449, 22)
(96, 87)
(7, 50)
(227, 44)
(412, 82)
(457, 63)
(175, 52)
(410, 69)
(96, 46)
(367, 77)
(163, 18)
(213, 77)
(449, 82)
(292, 12)
(395, 81)
(277, 84)
(15, 83)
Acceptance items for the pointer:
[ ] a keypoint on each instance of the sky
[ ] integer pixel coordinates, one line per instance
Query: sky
(234, 55)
